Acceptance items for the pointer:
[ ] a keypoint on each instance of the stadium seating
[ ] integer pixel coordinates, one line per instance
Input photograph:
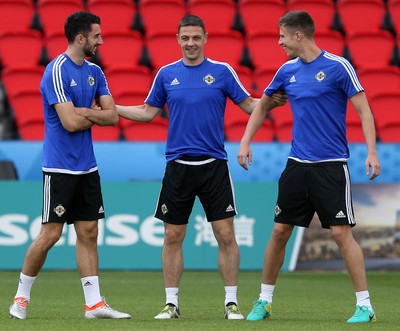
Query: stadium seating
(116, 15)
(23, 48)
(386, 109)
(331, 41)
(217, 15)
(225, 46)
(235, 124)
(106, 133)
(283, 121)
(18, 79)
(370, 48)
(156, 130)
(9, 9)
(379, 79)
(163, 48)
(27, 107)
(264, 49)
(55, 43)
(394, 11)
(262, 77)
(322, 11)
(246, 77)
(120, 49)
(155, 12)
(52, 13)
(353, 125)
(261, 15)
(361, 15)
(131, 78)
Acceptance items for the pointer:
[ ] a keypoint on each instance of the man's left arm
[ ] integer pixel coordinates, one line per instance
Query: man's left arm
(363, 109)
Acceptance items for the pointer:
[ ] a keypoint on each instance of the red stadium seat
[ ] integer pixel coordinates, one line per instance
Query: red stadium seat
(156, 130)
(217, 15)
(264, 48)
(155, 12)
(27, 107)
(386, 109)
(353, 125)
(23, 48)
(322, 11)
(394, 11)
(55, 43)
(115, 15)
(380, 79)
(17, 79)
(136, 79)
(262, 77)
(225, 47)
(53, 13)
(331, 41)
(283, 122)
(235, 124)
(163, 48)
(246, 77)
(8, 10)
(363, 54)
(261, 15)
(361, 15)
(121, 49)
(106, 133)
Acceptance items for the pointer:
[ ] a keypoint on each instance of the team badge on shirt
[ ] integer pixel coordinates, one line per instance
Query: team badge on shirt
(209, 79)
(320, 76)
(90, 80)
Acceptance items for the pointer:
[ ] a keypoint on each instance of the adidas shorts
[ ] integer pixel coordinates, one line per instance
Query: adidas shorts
(69, 198)
(306, 188)
(184, 179)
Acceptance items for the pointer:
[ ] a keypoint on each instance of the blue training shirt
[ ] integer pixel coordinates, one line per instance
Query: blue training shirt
(196, 100)
(64, 81)
(318, 93)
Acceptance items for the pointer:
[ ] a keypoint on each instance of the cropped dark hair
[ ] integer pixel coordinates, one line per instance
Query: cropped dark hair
(79, 23)
(191, 20)
(299, 20)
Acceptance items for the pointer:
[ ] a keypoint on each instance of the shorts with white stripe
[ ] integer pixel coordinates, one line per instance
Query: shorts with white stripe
(69, 198)
(306, 188)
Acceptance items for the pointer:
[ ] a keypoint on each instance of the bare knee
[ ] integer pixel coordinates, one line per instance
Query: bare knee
(224, 232)
(342, 234)
(87, 231)
(49, 234)
(281, 232)
(174, 234)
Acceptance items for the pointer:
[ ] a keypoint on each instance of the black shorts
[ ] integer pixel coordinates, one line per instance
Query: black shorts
(184, 179)
(69, 198)
(306, 188)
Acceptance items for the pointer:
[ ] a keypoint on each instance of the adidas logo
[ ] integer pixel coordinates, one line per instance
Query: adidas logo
(229, 208)
(340, 215)
(73, 83)
(175, 82)
(87, 284)
(101, 210)
(292, 79)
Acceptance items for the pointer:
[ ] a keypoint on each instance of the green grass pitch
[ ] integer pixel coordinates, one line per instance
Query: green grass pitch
(302, 301)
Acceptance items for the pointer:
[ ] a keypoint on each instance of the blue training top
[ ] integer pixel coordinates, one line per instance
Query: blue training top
(318, 93)
(64, 81)
(196, 100)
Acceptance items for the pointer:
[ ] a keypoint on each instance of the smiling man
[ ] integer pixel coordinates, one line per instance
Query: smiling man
(196, 88)
(316, 178)
(71, 182)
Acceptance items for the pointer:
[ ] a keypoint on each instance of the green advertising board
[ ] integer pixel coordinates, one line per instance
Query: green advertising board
(130, 237)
